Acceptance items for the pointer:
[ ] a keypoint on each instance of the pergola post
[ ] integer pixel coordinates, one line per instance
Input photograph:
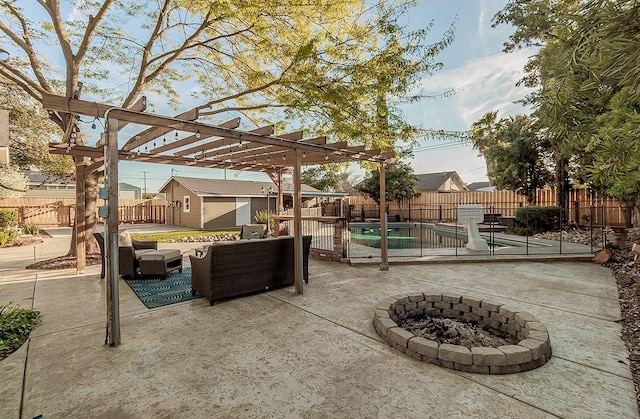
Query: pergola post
(384, 259)
(80, 223)
(269, 153)
(297, 222)
(111, 230)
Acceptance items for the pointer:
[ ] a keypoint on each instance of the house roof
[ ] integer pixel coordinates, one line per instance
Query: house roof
(433, 181)
(223, 187)
(481, 186)
(38, 178)
(128, 186)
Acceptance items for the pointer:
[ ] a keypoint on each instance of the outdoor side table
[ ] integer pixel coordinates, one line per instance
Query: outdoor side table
(160, 262)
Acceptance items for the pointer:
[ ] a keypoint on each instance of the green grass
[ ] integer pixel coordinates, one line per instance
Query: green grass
(175, 235)
(15, 326)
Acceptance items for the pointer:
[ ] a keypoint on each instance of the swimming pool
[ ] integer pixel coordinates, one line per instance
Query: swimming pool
(409, 236)
(415, 236)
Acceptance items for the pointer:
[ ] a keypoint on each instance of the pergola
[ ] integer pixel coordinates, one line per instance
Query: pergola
(221, 146)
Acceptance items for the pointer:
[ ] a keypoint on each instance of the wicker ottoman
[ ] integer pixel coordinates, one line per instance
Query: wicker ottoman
(160, 262)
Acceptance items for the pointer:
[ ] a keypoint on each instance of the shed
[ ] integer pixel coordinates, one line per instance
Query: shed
(220, 203)
(129, 191)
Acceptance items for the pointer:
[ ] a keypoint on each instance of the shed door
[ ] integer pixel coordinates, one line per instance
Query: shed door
(243, 211)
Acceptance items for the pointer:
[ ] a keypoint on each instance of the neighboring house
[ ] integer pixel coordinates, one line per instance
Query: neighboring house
(128, 191)
(441, 182)
(4, 137)
(217, 203)
(40, 186)
(481, 187)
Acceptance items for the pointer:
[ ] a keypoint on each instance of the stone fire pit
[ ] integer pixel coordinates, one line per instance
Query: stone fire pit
(532, 351)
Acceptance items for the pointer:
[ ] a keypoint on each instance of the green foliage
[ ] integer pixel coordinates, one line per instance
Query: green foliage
(538, 219)
(520, 230)
(586, 71)
(516, 155)
(261, 218)
(15, 326)
(340, 68)
(32, 229)
(400, 183)
(8, 237)
(30, 132)
(8, 218)
(322, 178)
(13, 183)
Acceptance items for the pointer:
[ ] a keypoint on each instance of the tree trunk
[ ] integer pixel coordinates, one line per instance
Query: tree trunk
(90, 203)
(562, 184)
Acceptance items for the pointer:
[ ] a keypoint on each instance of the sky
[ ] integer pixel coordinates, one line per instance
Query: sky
(474, 65)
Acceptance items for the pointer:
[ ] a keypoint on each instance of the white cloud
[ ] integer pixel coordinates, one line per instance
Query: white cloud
(484, 84)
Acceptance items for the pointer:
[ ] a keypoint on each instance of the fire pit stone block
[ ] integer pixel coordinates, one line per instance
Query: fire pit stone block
(532, 351)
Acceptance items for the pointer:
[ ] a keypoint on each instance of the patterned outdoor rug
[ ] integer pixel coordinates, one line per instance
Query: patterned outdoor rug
(161, 292)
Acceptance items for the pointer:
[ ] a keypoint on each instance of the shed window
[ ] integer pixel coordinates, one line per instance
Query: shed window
(186, 203)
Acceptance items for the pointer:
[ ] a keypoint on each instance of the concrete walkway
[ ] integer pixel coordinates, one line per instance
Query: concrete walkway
(316, 355)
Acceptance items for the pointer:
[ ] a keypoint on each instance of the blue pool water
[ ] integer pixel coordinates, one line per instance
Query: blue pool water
(408, 236)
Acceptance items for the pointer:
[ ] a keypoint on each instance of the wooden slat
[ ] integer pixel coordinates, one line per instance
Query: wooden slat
(172, 144)
(152, 133)
(266, 130)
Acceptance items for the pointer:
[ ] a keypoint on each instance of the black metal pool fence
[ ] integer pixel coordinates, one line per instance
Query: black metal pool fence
(442, 233)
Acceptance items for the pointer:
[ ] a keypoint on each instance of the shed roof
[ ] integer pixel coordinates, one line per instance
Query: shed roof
(233, 187)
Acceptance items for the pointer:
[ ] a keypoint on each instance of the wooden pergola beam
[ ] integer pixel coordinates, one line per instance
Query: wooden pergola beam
(173, 144)
(85, 107)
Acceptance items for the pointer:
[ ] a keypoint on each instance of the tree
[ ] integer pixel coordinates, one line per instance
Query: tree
(320, 177)
(515, 153)
(588, 76)
(30, 132)
(325, 64)
(13, 183)
(400, 182)
(328, 178)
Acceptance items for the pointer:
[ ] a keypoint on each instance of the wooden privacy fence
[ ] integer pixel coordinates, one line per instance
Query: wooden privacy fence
(585, 208)
(45, 212)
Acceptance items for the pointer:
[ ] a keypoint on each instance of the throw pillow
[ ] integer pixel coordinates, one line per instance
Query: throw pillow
(124, 239)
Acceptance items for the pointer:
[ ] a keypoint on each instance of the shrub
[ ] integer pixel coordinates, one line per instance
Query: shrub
(8, 237)
(519, 230)
(261, 218)
(15, 326)
(8, 218)
(32, 229)
(539, 219)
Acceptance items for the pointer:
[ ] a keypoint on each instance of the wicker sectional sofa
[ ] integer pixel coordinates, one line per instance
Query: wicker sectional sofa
(235, 268)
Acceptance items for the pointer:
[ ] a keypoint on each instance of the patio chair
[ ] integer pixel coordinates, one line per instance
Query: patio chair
(129, 253)
(253, 231)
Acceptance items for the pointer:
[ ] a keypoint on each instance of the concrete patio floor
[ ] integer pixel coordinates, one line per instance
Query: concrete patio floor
(316, 355)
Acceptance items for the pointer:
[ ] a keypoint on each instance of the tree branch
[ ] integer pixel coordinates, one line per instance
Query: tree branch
(94, 21)
(26, 45)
